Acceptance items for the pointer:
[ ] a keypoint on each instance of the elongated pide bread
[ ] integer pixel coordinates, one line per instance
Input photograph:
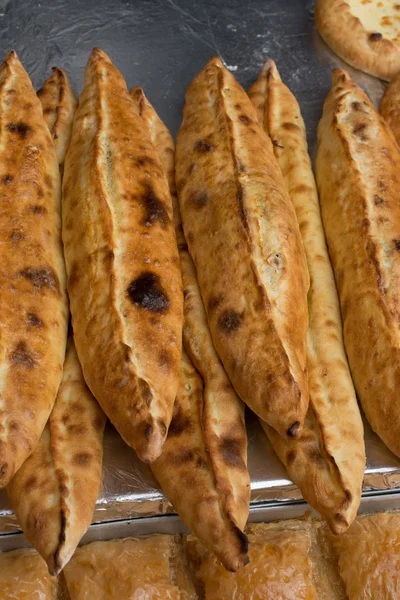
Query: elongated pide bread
(33, 308)
(327, 460)
(358, 176)
(390, 106)
(203, 467)
(122, 262)
(59, 105)
(242, 234)
(55, 491)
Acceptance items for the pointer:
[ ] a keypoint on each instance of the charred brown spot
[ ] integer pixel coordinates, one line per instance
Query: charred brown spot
(145, 391)
(73, 277)
(203, 146)
(231, 453)
(148, 431)
(378, 200)
(14, 425)
(242, 211)
(30, 483)
(290, 126)
(245, 119)
(154, 209)
(146, 292)
(201, 464)
(49, 110)
(98, 423)
(240, 166)
(229, 321)
(166, 359)
(41, 278)
(82, 459)
(21, 129)
(244, 543)
(63, 490)
(16, 236)
(199, 199)
(191, 168)
(238, 106)
(276, 144)
(359, 130)
(3, 470)
(183, 457)
(330, 323)
(183, 247)
(22, 357)
(293, 429)
(38, 210)
(357, 106)
(374, 37)
(48, 181)
(11, 92)
(291, 457)
(162, 427)
(179, 424)
(397, 245)
(302, 188)
(213, 303)
(7, 179)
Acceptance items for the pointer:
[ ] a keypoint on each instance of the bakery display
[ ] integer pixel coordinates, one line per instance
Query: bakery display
(244, 240)
(358, 178)
(122, 262)
(365, 33)
(390, 107)
(327, 459)
(203, 466)
(33, 308)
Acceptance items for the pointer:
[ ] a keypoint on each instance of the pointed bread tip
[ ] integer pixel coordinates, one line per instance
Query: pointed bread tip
(340, 76)
(269, 67)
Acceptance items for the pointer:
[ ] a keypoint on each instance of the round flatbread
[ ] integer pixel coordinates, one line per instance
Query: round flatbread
(365, 33)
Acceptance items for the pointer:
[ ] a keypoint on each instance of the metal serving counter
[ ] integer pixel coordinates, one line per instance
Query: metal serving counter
(161, 45)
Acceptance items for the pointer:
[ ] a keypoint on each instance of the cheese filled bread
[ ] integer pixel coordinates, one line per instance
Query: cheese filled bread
(365, 33)
(244, 240)
(358, 176)
(327, 460)
(203, 467)
(122, 262)
(34, 307)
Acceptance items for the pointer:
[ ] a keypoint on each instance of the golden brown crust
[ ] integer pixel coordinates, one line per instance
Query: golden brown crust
(144, 568)
(390, 107)
(368, 556)
(185, 473)
(345, 26)
(244, 240)
(122, 261)
(358, 175)
(279, 567)
(23, 576)
(59, 105)
(327, 460)
(33, 310)
(55, 491)
(222, 420)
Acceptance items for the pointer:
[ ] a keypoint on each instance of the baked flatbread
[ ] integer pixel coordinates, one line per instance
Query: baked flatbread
(33, 308)
(59, 105)
(390, 107)
(244, 240)
(136, 569)
(24, 576)
(219, 427)
(368, 556)
(358, 176)
(327, 460)
(55, 491)
(279, 567)
(365, 33)
(122, 262)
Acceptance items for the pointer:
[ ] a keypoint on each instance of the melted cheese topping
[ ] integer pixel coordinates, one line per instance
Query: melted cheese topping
(378, 16)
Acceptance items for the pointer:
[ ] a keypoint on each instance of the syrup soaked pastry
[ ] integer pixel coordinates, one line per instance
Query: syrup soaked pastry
(122, 262)
(358, 176)
(365, 33)
(244, 240)
(327, 460)
(34, 307)
(24, 576)
(203, 468)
